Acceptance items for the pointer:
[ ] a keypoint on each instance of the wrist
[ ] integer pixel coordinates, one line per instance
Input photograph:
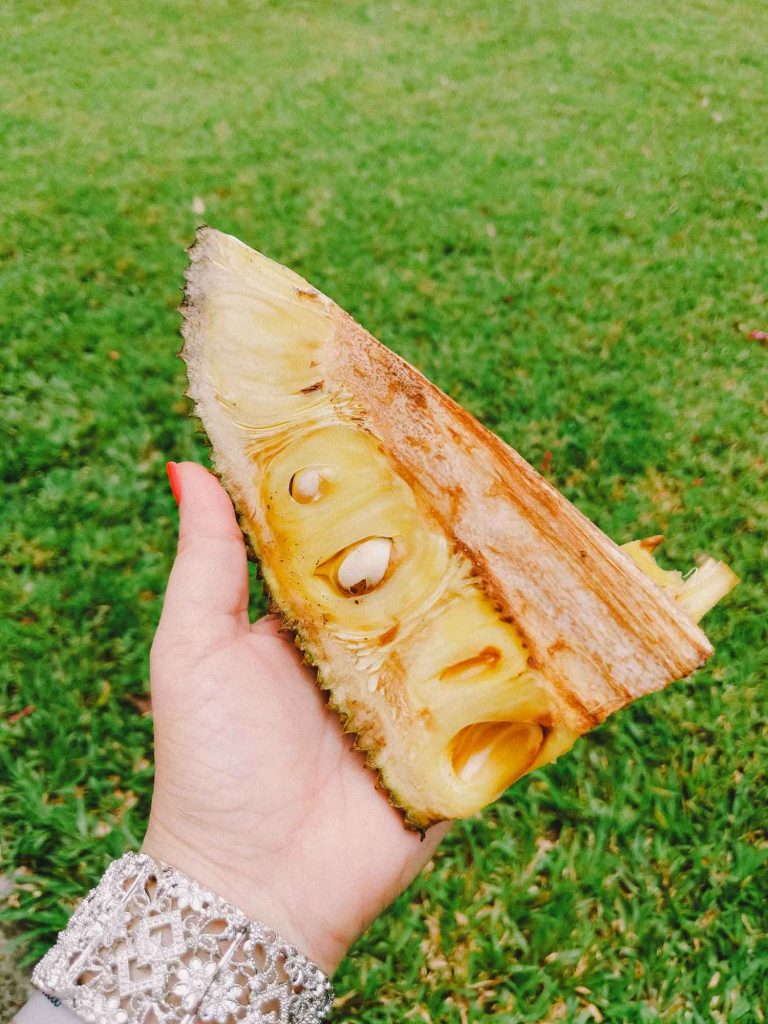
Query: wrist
(262, 895)
(149, 942)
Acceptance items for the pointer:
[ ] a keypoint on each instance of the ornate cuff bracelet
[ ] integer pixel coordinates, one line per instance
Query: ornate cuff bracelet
(149, 945)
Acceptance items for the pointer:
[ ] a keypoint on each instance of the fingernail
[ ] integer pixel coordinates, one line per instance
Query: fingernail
(174, 480)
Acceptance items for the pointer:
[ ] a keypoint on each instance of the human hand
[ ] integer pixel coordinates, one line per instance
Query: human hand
(258, 794)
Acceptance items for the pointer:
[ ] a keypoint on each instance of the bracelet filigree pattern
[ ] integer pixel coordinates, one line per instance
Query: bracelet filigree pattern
(149, 945)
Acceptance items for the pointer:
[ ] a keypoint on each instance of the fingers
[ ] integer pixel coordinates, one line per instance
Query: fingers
(207, 594)
(432, 839)
(268, 625)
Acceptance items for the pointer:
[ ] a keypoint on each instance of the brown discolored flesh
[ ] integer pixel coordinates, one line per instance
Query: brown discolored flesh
(468, 622)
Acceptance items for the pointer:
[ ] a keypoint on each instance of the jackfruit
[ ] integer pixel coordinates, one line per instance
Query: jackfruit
(468, 622)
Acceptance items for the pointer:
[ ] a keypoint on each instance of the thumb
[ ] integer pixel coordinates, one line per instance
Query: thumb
(207, 595)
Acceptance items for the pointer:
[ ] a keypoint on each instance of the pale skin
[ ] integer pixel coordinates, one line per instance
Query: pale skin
(258, 793)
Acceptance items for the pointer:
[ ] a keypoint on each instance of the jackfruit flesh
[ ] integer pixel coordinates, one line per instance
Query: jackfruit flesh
(409, 630)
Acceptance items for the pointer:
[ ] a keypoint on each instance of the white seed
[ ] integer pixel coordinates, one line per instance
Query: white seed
(306, 484)
(365, 566)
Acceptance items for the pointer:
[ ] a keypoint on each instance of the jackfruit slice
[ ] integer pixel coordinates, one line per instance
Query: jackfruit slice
(468, 622)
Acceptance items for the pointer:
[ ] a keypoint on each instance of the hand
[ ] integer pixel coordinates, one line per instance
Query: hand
(258, 794)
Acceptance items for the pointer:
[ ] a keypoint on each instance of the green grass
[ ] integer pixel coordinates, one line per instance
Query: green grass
(559, 211)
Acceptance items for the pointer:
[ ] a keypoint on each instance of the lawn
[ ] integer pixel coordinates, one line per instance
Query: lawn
(558, 211)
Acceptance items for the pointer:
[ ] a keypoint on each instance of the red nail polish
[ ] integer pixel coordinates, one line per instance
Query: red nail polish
(173, 479)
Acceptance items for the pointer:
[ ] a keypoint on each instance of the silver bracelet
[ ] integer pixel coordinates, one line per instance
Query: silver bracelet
(149, 944)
